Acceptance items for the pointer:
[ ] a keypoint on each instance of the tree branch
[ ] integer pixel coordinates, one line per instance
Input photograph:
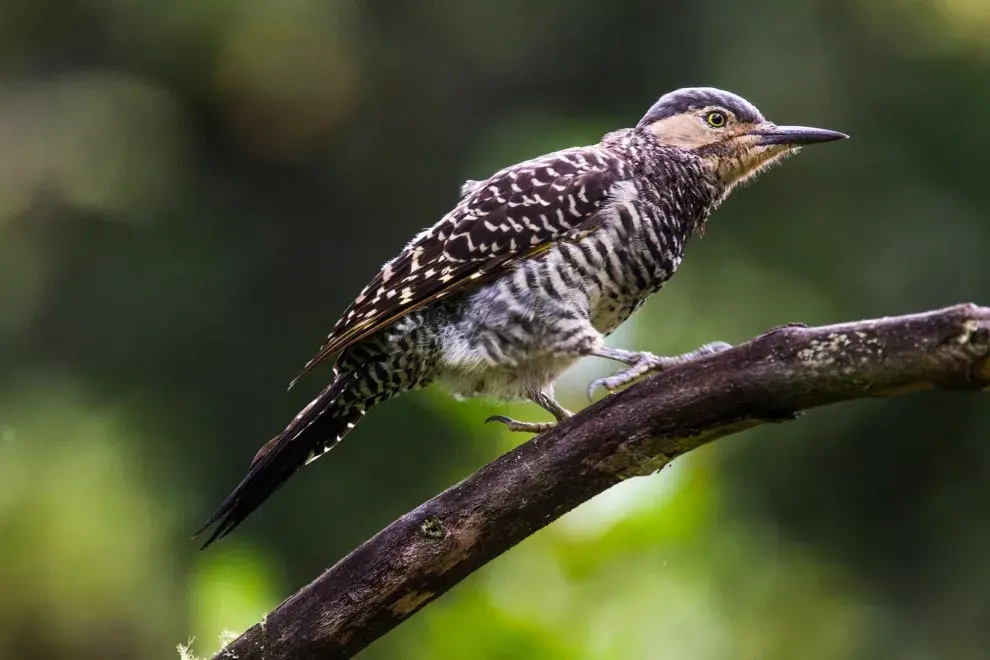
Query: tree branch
(634, 432)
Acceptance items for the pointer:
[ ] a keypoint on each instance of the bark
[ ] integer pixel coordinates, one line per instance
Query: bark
(635, 432)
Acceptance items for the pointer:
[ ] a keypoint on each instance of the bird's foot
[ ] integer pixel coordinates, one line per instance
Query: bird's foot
(645, 363)
(524, 427)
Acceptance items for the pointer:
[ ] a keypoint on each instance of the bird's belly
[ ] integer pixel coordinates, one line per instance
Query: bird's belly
(516, 381)
(508, 345)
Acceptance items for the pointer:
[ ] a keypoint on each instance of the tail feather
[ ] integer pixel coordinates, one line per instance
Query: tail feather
(313, 432)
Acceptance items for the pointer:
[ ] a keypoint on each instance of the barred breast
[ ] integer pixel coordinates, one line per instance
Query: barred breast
(521, 331)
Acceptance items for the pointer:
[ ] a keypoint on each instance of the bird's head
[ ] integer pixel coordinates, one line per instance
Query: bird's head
(726, 131)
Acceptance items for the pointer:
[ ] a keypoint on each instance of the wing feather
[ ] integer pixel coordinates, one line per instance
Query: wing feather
(515, 215)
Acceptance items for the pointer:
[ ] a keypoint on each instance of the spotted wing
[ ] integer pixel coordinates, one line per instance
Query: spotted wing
(514, 215)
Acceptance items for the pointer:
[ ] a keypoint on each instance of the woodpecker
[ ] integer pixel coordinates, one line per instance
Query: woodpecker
(528, 273)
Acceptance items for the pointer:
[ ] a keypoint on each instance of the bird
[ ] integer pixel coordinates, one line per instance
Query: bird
(529, 272)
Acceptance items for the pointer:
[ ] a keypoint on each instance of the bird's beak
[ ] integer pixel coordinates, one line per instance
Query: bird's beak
(795, 136)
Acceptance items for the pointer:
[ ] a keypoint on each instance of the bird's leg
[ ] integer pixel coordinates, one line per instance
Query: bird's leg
(644, 363)
(545, 399)
(548, 401)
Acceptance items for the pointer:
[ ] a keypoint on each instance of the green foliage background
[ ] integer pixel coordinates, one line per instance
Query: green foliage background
(191, 191)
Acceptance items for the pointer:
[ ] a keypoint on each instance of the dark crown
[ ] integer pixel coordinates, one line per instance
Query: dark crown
(695, 98)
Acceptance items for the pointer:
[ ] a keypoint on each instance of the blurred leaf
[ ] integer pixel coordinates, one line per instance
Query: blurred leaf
(233, 588)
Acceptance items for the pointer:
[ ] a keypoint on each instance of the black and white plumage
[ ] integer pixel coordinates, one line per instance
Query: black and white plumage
(514, 215)
(528, 273)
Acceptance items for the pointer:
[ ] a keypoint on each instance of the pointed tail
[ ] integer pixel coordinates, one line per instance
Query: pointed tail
(312, 433)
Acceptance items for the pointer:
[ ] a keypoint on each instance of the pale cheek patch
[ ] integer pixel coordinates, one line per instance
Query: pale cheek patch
(684, 131)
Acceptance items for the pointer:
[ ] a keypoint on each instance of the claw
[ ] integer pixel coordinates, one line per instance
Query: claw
(595, 384)
(715, 347)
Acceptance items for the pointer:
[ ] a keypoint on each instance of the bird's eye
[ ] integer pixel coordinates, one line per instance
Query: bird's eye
(715, 119)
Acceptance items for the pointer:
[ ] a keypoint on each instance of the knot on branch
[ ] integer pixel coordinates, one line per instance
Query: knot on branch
(432, 528)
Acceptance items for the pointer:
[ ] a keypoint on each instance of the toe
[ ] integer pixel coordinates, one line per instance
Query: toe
(605, 383)
(717, 346)
(592, 386)
(522, 427)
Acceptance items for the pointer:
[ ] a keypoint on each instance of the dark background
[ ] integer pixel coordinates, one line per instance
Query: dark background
(192, 191)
